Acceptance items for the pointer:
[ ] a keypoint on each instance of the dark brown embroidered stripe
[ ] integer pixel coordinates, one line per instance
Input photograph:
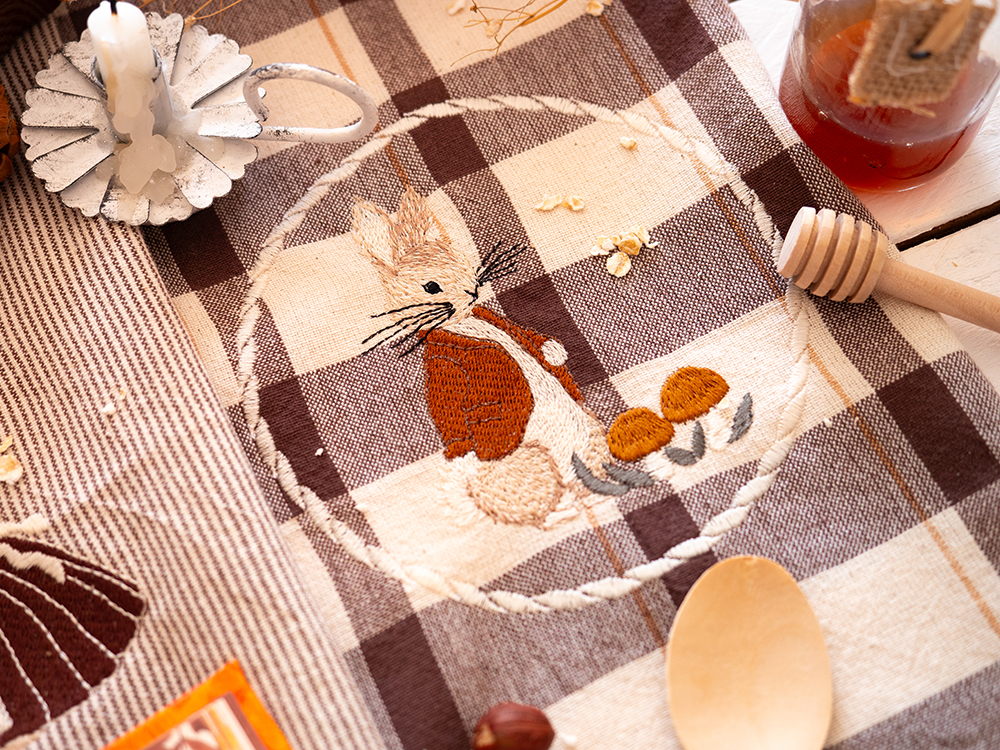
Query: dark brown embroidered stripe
(870, 341)
(202, 250)
(538, 305)
(661, 525)
(672, 31)
(412, 687)
(287, 414)
(782, 187)
(389, 43)
(680, 580)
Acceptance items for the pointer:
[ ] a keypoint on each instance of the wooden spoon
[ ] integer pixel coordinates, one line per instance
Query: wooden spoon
(747, 666)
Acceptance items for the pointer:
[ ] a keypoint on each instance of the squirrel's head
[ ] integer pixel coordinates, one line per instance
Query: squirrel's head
(430, 284)
(415, 259)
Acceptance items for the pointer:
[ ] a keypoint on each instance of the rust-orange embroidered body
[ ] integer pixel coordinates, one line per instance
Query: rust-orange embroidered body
(476, 392)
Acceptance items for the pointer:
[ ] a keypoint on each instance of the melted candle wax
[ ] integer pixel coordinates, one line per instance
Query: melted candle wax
(145, 161)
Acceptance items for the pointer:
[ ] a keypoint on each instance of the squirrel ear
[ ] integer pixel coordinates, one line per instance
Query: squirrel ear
(372, 230)
(415, 217)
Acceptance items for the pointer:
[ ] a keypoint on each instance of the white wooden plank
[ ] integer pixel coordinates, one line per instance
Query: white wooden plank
(973, 182)
(971, 256)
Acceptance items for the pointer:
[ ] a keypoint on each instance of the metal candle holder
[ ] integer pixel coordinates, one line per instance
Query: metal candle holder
(201, 78)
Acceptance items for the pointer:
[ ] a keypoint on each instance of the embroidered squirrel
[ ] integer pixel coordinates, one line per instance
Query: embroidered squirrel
(499, 394)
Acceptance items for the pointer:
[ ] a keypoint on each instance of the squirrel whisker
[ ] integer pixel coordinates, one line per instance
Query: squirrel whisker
(403, 322)
(421, 339)
(442, 314)
(503, 265)
(400, 326)
(407, 307)
(494, 260)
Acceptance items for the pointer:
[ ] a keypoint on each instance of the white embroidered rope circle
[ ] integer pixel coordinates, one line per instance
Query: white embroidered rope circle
(414, 575)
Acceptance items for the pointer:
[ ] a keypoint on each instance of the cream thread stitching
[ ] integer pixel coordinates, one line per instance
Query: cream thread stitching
(24, 677)
(411, 575)
(65, 612)
(49, 637)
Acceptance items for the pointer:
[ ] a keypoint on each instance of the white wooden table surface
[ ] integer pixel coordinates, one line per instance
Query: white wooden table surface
(952, 218)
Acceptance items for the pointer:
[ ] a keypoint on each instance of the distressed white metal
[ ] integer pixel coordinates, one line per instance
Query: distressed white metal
(200, 75)
(299, 72)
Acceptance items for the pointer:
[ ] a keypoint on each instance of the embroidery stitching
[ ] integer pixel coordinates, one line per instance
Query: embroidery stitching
(689, 393)
(693, 456)
(45, 613)
(488, 382)
(612, 587)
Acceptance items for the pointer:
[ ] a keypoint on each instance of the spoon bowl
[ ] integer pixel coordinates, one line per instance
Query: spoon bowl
(747, 666)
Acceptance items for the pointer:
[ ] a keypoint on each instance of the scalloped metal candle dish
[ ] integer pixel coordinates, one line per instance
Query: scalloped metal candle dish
(69, 135)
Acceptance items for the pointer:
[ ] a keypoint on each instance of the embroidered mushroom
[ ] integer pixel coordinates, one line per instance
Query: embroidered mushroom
(687, 394)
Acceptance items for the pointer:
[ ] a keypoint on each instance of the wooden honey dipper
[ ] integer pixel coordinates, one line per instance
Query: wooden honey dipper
(833, 255)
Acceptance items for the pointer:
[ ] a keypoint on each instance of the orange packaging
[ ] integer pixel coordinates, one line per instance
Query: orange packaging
(220, 714)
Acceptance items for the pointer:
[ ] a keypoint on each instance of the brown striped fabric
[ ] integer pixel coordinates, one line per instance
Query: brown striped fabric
(18, 15)
(153, 487)
(857, 445)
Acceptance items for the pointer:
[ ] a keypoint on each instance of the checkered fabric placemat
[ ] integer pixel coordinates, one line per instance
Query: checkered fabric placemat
(450, 507)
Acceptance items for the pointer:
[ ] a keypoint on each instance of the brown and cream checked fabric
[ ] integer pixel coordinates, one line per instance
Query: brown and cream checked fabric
(857, 445)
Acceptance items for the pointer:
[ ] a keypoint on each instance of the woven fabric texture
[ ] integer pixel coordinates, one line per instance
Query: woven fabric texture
(130, 459)
(867, 466)
(515, 509)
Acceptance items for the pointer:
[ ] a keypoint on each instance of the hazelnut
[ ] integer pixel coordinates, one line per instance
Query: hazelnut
(512, 726)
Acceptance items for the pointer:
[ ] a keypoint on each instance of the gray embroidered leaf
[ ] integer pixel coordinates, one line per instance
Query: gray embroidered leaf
(743, 418)
(691, 457)
(594, 484)
(680, 456)
(698, 440)
(631, 477)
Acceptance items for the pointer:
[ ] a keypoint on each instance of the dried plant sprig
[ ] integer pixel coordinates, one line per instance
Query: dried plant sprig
(520, 16)
(193, 17)
(500, 22)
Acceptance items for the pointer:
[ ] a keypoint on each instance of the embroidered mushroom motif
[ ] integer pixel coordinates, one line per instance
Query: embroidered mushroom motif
(689, 393)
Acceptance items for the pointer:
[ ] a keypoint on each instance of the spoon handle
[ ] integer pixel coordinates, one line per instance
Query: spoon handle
(940, 294)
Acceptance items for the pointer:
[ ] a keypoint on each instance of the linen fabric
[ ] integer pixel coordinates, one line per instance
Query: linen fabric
(868, 469)
(855, 444)
(129, 458)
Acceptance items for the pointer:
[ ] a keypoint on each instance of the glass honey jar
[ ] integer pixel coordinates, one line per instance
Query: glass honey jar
(890, 93)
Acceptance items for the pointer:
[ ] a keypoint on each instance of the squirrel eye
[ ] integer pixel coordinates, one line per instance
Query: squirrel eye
(432, 287)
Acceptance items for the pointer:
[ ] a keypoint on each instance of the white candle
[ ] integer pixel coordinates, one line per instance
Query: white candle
(121, 42)
(127, 66)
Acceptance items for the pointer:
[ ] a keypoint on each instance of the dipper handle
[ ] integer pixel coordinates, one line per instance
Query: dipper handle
(835, 256)
(938, 293)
